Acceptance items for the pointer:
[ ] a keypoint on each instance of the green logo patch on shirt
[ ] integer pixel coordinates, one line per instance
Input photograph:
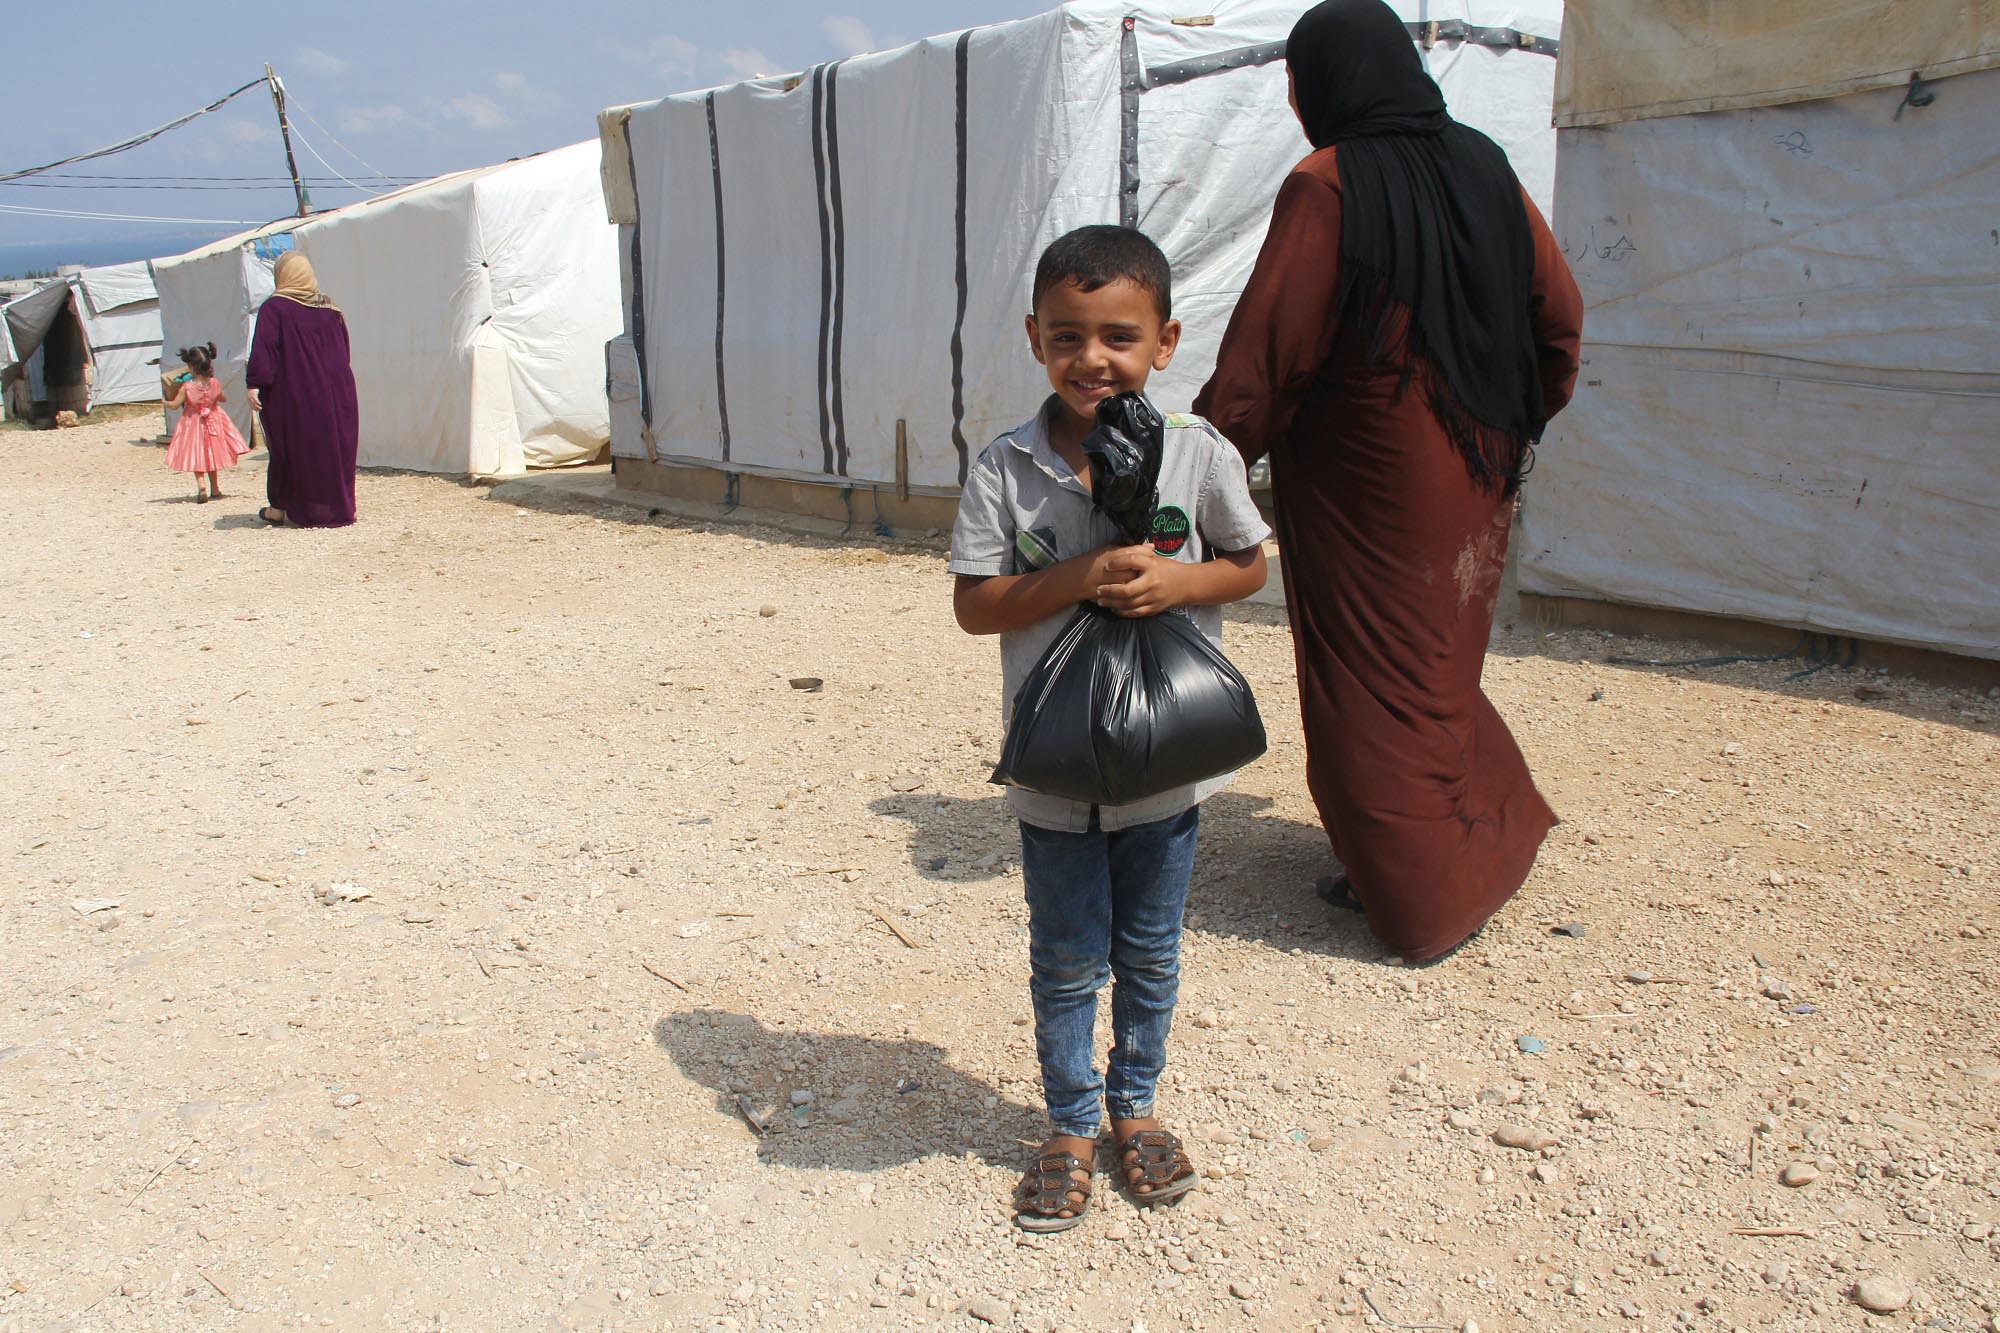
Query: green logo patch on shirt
(1171, 529)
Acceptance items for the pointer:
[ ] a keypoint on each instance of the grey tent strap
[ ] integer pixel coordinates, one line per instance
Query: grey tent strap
(1425, 35)
(1431, 33)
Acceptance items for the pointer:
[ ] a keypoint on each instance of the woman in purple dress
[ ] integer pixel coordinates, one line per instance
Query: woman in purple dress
(303, 386)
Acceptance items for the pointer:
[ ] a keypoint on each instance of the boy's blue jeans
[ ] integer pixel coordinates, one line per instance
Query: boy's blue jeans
(1105, 906)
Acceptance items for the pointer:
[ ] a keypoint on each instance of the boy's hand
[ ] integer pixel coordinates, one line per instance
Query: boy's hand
(1098, 572)
(1140, 582)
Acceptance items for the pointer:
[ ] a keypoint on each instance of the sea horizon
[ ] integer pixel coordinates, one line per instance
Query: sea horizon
(18, 258)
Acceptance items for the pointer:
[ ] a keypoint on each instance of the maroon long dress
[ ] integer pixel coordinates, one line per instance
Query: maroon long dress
(1392, 562)
(300, 368)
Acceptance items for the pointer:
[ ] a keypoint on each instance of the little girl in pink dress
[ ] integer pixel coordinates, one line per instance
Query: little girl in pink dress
(206, 440)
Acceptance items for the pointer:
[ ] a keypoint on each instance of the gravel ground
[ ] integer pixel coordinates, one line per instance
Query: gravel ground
(404, 927)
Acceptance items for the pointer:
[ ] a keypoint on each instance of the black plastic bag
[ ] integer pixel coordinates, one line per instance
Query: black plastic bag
(1125, 451)
(1119, 709)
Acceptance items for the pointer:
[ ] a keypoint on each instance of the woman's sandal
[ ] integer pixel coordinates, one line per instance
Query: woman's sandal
(1050, 1197)
(1339, 893)
(266, 513)
(1155, 1166)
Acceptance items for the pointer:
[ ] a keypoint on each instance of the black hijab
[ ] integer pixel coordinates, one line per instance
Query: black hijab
(1432, 224)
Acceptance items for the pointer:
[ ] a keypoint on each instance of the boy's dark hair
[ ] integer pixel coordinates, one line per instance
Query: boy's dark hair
(201, 360)
(1094, 257)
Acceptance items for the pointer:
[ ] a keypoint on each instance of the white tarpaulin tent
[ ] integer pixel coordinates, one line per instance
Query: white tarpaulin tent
(810, 261)
(212, 295)
(90, 338)
(478, 306)
(1790, 403)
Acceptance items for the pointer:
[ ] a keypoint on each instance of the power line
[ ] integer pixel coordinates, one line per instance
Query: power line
(379, 174)
(26, 211)
(287, 180)
(300, 136)
(324, 182)
(136, 140)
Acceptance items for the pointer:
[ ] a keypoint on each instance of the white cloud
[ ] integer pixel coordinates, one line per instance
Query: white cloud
(667, 57)
(747, 63)
(478, 111)
(251, 131)
(849, 35)
(520, 95)
(321, 63)
(367, 119)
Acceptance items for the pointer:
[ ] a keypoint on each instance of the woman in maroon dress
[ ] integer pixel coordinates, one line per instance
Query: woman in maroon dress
(1408, 331)
(303, 386)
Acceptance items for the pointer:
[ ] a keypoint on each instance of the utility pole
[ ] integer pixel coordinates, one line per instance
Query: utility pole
(285, 129)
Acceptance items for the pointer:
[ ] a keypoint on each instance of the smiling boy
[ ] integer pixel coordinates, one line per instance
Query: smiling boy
(1106, 884)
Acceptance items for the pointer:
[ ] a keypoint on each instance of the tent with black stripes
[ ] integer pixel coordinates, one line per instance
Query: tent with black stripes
(478, 305)
(825, 273)
(87, 339)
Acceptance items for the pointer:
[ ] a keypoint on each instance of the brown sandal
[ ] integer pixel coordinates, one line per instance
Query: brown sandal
(1155, 1166)
(1050, 1197)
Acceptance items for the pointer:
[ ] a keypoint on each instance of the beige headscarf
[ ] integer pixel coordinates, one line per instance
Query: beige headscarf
(296, 281)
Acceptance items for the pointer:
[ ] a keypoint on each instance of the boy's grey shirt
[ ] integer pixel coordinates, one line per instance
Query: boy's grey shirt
(1023, 509)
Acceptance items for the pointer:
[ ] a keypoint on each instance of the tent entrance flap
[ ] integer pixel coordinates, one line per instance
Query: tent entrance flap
(66, 362)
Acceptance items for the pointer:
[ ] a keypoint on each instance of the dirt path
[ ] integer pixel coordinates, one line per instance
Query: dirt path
(626, 890)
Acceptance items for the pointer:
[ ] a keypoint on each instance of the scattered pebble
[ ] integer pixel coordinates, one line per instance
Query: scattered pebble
(1525, 1138)
(990, 1311)
(1798, 1175)
(1883, 1293)
(1530, 1045)
(341, 891)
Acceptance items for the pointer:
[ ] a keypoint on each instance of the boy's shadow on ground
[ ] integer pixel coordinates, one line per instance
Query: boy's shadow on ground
(1254, 874)
(876, 1102)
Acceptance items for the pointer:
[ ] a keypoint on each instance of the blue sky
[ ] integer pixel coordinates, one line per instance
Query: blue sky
(414, 89)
